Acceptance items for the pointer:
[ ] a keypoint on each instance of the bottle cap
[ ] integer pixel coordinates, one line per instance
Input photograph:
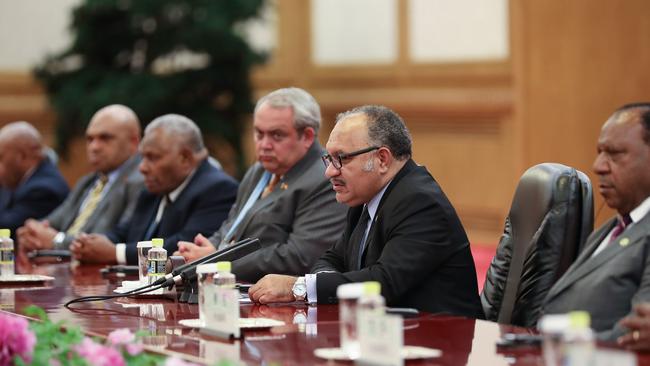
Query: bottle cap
(5, 233)
(223, 266)
(157, 242)
(554, 323)
(206, 268)
(371, 288)
(144, 244)
(579, 319)
(350, 290)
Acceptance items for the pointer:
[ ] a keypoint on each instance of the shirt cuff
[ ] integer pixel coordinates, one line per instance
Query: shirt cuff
(120, 253)
(312, 296)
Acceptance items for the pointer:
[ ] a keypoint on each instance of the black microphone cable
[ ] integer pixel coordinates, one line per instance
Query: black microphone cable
(134, 292)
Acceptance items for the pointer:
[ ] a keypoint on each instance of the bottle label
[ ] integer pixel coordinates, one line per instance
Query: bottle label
(156, 267)
(222, 309)
(6, 256)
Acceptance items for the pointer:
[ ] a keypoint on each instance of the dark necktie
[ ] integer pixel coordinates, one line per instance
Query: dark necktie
(152, 230)
(622, 223)
(357, 236)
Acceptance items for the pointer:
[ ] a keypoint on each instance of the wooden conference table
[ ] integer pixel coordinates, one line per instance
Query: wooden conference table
(462, 341)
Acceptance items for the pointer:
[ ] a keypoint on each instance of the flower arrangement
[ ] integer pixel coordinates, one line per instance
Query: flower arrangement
(47, 343)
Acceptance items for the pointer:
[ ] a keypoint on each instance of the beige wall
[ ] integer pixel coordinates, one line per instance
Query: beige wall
(477, 125)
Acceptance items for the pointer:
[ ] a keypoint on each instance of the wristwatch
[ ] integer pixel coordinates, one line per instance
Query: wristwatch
(300, 289)
(57, 241)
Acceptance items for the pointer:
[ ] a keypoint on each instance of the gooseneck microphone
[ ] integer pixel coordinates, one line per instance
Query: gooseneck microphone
(187, 272)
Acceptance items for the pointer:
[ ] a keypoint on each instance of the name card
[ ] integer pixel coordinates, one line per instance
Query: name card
(221, 312)
(381, 338)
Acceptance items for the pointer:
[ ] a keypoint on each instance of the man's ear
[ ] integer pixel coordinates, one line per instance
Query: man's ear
(385, 159)
(308, 134)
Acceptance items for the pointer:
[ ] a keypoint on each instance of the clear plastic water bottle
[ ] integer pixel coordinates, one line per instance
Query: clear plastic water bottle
(579, 340)
(6, 254)
(224, 278)
(371, 301)
(553, 327)
(348, 295)
(205, 274)
(156, 260)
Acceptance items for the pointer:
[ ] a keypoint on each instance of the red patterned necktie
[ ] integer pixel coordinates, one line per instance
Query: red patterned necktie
(623, 222)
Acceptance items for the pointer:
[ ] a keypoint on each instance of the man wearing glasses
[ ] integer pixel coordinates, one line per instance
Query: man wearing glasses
(401, 229)
(285, 199)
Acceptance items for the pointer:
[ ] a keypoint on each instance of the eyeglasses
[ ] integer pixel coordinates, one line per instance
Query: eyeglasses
(337, 160)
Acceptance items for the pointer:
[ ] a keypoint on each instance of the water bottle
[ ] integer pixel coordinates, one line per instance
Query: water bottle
(205, 273)
(6, 254)
(579, 340)
(553, 327)
(224, 278)
(348, 295)
(156, 261)
(371, 302)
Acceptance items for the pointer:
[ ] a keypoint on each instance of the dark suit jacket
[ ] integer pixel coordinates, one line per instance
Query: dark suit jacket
(34, 198)
(116, 204)
(609, 284)
(200, 208)
(416, 248)
(296, 223)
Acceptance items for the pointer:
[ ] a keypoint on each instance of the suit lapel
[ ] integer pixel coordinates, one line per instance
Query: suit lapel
(587, 264)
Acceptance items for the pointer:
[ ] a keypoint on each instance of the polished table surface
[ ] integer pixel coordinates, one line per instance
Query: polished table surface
(462, 341)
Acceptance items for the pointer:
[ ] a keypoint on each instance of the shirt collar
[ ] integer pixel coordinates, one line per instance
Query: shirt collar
(640, 211)
(373, 204)
(176, 192)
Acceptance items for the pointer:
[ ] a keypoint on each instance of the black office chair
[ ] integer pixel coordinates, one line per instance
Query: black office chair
(549, 220)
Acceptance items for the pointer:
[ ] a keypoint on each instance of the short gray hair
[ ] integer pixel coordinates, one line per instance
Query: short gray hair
(176, 125)
(385, 128)
(306, 111)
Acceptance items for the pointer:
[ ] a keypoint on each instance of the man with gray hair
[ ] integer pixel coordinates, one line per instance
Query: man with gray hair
(30, 184)
(401, 230)
(185, 194)
(284, 199)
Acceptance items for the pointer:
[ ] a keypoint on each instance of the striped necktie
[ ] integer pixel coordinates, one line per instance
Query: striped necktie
(92, 200)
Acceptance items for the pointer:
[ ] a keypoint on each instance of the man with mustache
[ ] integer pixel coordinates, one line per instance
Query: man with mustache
(401, 229)
(284, 199)
(612, 274)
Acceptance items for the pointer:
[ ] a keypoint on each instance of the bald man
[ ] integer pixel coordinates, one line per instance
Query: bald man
(102, 198)
(30, 184)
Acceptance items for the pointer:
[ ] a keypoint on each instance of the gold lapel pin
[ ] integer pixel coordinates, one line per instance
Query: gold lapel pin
(283, 186)
(624, 242)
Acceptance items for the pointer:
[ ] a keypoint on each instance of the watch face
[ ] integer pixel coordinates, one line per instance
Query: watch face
(299, 289)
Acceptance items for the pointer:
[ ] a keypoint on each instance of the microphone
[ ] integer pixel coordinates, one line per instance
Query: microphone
(187, 272)
(188, 277)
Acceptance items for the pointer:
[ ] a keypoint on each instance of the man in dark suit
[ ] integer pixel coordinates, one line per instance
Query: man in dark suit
(102, 198)
(612, 274)
(284, 199)
(401, 229)
(30, 185)
(185, 195)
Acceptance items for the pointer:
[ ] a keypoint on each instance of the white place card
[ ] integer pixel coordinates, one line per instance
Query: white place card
(381, 338)
(221, 312)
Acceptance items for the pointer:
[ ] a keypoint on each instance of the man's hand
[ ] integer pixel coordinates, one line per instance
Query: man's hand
(192, 251)
(273, 288)
(93, 248)
(638, 339)
(35, 235)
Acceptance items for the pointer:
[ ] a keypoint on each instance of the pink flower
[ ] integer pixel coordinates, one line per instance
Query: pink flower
(120, 337)
(124, 337)
(15, 339)
(175, 361)
(134, 349)
(99, 355)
